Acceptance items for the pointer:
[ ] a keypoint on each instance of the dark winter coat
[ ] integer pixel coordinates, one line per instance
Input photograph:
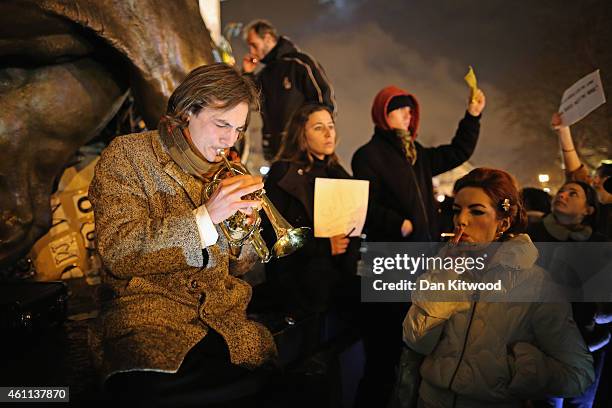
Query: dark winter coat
(289, 80)
(400, 190)
(309, 276)
(585, 313)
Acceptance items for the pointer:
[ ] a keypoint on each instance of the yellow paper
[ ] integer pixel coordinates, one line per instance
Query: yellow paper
(470, 79)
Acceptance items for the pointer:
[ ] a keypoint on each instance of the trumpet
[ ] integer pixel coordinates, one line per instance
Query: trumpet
(239, 230)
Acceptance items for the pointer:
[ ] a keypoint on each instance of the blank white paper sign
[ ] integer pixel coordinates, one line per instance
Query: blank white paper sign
(340, 206)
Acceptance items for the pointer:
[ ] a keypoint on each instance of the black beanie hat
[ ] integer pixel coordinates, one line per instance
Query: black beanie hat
(400, 101)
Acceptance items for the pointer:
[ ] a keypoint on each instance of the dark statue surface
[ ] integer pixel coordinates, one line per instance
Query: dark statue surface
(66, 67)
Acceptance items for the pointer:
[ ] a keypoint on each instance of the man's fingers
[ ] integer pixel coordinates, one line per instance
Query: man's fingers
(244, 191)
(246, 205)
(242, 186)
(246, 211)
(240, 180)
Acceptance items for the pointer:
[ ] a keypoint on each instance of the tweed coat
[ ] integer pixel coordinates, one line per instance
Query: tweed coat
(161, 292)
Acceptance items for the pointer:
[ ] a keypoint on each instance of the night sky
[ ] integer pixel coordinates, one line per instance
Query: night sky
(525, 55)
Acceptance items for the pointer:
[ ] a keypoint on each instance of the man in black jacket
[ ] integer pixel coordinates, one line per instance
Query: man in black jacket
(289, 80)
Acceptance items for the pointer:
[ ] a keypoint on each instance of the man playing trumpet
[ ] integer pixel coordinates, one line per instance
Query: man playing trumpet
(173, 313)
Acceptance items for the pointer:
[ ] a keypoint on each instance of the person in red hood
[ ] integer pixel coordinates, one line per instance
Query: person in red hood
(401, 208)
(400, 169)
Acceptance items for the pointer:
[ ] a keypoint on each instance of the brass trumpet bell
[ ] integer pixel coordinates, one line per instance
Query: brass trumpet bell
(288, 238)
(294, 239)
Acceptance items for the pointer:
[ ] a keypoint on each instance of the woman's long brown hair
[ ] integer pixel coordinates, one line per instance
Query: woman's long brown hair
(294, 147)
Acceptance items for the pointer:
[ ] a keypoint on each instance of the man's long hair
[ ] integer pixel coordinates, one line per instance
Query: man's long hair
(216, 86)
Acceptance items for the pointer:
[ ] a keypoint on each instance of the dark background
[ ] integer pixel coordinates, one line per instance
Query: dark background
(525, 55)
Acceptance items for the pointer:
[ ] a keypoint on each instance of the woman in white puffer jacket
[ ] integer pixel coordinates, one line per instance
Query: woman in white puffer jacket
(485, 353)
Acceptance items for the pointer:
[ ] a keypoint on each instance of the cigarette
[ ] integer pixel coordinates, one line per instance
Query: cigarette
(457, 235)
(447, 234)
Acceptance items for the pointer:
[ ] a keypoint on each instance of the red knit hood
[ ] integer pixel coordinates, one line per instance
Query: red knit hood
(379, 109)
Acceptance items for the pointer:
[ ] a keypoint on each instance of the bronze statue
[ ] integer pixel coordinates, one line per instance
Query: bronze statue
(66, 68)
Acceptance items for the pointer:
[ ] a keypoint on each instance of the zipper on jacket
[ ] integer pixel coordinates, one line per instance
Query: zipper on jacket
(467, 335)
(418, 188)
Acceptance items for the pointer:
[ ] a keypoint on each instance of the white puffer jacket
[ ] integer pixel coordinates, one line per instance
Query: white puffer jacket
(484, 354)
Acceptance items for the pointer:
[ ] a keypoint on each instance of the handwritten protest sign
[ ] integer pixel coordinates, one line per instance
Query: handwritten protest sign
(581, 99)
(340, 206)
(470, 79)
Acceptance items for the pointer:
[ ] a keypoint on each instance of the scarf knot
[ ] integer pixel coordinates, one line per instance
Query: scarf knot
(408, 144)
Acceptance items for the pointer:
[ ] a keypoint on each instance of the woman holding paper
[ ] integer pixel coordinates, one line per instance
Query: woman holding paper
(572, 219)
(309, 277)
(575, 170)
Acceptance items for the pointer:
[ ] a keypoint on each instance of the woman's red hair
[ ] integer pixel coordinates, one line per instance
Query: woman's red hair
(499, 186)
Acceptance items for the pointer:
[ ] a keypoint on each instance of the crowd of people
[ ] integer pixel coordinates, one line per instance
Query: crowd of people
(174, 310)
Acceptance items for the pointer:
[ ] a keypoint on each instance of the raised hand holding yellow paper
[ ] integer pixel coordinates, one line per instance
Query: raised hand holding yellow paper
(470, 79)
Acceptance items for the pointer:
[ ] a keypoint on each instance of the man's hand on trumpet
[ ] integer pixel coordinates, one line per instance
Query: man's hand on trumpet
(227, 198)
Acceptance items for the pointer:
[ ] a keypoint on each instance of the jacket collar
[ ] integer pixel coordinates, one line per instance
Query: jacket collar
(297, 183)
(283, 46)
(562, 233)
(389, 137)
(516, 253)
(190, 184)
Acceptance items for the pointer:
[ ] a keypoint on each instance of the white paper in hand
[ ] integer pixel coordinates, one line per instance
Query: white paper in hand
(581, 99)
(340, 206)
